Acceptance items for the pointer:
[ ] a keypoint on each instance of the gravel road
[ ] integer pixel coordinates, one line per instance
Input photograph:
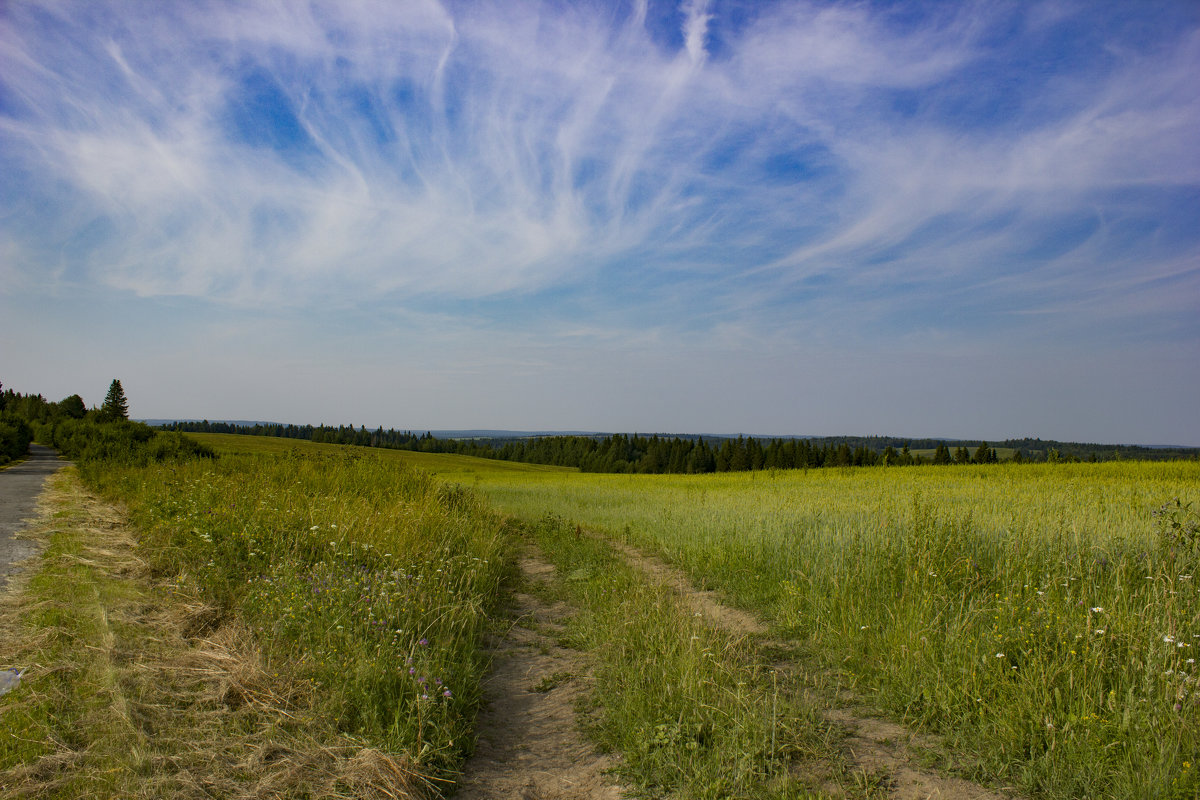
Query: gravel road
(19, 487)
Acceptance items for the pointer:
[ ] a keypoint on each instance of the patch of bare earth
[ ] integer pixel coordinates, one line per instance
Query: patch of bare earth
(529, 742)
(885, 755)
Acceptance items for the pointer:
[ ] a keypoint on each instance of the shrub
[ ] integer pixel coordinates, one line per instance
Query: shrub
(122, 443)
(15, 436)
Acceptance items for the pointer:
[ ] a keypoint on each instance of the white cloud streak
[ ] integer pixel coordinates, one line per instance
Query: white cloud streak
(335, 153)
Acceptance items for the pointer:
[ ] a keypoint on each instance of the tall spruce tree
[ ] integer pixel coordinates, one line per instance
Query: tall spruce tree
(115, 406)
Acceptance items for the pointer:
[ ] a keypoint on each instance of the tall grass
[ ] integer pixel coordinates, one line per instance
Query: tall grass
(368, 579)
(688, 706)
(1040, 615)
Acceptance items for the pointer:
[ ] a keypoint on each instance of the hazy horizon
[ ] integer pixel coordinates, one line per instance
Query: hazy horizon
(973, 219)
(504, 433)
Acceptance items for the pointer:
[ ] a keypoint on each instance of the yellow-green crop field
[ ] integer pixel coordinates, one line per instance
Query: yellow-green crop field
(449, 467)
(1043, 617)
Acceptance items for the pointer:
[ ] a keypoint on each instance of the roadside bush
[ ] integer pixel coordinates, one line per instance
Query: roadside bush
(123, 443)
(15, 436)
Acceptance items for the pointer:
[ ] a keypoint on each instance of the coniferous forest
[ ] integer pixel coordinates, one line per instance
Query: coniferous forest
(677, 454)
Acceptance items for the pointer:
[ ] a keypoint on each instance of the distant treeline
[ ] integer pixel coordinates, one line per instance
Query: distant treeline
(623, 453)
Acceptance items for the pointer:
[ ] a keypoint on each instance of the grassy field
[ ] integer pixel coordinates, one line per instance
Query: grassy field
(449, 467)
(1039, 615)
(1042, 617)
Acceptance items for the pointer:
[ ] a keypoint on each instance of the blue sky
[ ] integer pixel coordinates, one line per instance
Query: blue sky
(949, 219)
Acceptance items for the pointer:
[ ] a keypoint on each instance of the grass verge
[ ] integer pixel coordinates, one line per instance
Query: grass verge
(279, 626)
(130, 691)
(369, 580)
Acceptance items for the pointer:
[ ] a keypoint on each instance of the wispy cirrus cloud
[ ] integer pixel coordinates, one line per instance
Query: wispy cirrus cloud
(602, 172)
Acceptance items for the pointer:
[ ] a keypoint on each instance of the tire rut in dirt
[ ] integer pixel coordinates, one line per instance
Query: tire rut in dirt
(529, 742)
(878, 749)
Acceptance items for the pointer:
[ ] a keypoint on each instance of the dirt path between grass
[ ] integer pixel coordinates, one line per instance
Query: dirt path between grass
(884, 752)
(529, 742)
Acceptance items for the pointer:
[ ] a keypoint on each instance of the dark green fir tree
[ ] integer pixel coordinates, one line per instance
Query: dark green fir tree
(115, 405)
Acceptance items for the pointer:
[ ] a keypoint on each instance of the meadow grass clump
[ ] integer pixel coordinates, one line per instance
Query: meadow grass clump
(368, 579)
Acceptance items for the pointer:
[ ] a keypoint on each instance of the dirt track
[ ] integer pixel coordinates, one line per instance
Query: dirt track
(530, 746)
(871, 743)
(19, 487)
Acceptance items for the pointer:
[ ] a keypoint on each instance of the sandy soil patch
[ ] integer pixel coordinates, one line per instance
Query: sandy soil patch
(529, 742)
